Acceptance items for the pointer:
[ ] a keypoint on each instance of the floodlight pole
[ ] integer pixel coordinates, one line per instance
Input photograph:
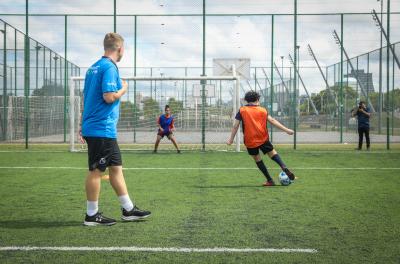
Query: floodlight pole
(323, 75)
(305, 88)
(389, 46)
(280, 76)
(339, 42)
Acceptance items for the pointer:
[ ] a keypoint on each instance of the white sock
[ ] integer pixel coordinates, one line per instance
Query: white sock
(126, 202)
(92, 207)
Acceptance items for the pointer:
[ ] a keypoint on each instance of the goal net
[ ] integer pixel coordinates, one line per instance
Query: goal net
(41, 118)
(203, 110)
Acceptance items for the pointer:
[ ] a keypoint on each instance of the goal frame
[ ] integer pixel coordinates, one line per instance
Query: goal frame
(236, 99)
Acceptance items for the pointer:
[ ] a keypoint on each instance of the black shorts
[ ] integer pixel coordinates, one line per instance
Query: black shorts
(265, 148)
(162, 134)
(103, 152)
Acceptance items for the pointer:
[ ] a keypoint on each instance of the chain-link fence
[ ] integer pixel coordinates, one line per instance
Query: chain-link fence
(36, 109)
(315, 98)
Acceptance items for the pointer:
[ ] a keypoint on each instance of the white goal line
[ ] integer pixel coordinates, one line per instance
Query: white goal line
(164, 249)
(195, 168)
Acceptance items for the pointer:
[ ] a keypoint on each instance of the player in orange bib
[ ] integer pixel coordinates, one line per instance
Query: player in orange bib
(254, 120)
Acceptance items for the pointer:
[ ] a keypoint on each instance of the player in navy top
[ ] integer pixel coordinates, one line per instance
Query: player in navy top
(166, 128)
(363, 114)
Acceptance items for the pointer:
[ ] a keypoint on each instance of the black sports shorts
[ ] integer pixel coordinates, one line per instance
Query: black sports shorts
(103, 152)
(265, 148)
(162, 134)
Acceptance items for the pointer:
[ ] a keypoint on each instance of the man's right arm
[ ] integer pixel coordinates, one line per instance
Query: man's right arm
(365, 112)
(80, 136)
(277, 124)
(235, 128)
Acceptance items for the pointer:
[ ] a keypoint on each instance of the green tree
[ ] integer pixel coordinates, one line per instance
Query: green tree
(49, 90)
(150, 108)
(176, 106)
(127, 112)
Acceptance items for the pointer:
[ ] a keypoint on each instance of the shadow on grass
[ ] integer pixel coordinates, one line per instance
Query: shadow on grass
(235, 186)
(28, 223)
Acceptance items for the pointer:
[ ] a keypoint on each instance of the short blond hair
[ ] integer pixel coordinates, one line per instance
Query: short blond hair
(113, 41)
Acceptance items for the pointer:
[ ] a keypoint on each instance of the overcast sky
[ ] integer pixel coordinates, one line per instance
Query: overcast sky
(226, 36)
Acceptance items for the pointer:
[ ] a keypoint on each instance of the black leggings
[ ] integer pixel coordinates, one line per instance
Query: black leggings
(361, 131)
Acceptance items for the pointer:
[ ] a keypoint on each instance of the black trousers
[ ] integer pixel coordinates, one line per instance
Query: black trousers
(361, 132)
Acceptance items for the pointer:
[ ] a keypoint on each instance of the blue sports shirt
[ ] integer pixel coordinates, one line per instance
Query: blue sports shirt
(100, 118)
(166, 122)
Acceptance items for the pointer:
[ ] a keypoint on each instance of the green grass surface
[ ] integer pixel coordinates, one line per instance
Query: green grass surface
(348, 215)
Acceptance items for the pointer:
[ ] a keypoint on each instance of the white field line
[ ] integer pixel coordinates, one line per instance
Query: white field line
(196, 168)
(126, 151)
(164, 249)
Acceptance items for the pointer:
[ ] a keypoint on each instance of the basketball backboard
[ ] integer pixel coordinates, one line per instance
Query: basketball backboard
(209, 90)
(223, 67)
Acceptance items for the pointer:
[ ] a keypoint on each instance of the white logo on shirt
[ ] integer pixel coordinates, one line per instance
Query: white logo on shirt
(94, 69)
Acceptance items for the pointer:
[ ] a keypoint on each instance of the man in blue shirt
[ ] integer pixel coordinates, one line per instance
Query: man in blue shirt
(101, 96)
(363, 114)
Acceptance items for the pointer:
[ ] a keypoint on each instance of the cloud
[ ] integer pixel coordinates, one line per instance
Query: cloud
(226, 36)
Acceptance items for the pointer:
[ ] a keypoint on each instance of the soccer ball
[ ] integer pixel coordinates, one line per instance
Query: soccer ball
(284, 179)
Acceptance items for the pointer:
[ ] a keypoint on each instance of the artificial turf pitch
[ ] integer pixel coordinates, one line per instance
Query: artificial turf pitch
(345, 205)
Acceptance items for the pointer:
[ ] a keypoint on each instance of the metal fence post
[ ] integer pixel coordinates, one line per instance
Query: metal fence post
(134, 84)
(295, 76)
(65, 75)
(4, 31)
(387, 74)
(203, 82)
(341, 80)
(272, 76)
(26, 73)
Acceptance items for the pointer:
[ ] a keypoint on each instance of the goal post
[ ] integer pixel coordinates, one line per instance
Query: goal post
(138, 111)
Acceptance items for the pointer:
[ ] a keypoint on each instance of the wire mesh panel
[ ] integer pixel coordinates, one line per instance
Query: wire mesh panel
(165, 38)
(36, 112)
(139, 112)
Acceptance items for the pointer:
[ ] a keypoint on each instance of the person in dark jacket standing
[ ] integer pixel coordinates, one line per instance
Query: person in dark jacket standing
(363, 115)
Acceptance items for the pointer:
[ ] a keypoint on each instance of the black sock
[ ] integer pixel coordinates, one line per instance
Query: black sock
(263, 169)
(278, 160)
